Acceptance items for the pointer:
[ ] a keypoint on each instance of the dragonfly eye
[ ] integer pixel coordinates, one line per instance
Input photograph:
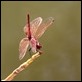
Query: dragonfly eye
(38, 46)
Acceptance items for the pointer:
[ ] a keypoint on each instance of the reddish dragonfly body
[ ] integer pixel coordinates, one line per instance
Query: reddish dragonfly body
(33, 31)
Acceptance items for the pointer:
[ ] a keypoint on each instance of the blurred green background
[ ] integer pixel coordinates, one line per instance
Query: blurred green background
(61, 58)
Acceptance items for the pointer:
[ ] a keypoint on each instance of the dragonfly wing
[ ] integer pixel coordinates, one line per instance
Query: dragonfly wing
(33, 26)
(26, 30)
(43, 27)
(23, 47)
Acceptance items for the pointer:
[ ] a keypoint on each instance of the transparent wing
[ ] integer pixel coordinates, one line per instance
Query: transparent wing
(43, 27)
(33, 26)
(23, 47)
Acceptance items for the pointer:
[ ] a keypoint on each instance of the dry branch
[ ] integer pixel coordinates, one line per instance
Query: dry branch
(22, 67)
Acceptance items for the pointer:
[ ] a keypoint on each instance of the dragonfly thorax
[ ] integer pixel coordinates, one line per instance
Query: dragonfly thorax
(35, 45)
(29, 37)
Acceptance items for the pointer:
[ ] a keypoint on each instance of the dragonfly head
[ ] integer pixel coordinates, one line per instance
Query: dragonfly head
(39, 46)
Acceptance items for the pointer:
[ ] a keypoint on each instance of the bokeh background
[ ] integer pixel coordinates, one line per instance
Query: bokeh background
(61, 58)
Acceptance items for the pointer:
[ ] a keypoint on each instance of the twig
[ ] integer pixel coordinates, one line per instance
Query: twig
(22, 67)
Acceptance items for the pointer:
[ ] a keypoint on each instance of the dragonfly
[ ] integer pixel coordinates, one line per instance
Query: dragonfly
(33, 31)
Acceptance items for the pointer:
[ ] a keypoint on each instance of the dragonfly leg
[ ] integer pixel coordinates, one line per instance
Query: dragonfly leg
(30, 52)
(38, 50)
